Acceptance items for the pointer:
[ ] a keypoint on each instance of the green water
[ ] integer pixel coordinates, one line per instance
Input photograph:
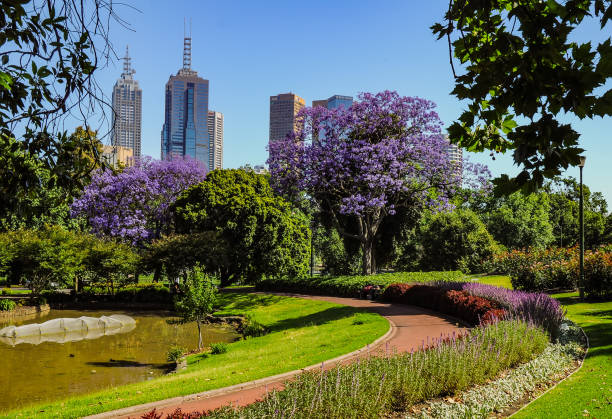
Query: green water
(51, 371)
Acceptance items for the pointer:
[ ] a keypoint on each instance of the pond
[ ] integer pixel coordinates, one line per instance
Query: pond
(51, 371)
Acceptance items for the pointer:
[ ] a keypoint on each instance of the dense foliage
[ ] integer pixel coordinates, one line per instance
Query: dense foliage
(556, 268)
(253, 232)
(352, 286)
(455, 240)
(362, 164)
(134, 205)
(472, 309)
(53, 257)
(523, 72)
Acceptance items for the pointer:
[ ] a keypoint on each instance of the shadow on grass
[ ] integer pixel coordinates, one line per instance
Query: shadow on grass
(238, 301)
(315, 319)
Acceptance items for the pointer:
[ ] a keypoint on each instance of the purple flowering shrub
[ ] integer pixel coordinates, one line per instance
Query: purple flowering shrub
(537, 308)
(134, 205)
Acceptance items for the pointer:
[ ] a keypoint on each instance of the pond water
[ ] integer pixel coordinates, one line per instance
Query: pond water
(50, 371)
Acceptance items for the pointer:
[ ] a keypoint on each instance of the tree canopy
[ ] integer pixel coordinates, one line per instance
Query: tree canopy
(361, 164)
(256, 232)
(522, 72)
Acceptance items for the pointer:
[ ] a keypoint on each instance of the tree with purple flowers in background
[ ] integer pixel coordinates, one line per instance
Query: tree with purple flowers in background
(133, 206)
(364, 163)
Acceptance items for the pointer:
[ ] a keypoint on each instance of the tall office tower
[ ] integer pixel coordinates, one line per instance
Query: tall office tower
(185, 129)
(215, 133)
(283, 110)
(334, 102)
(127, 110)
(455, 155)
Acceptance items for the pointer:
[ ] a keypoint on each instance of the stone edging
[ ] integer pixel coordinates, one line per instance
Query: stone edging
(24, 311)
(572, 373)
(242, 386)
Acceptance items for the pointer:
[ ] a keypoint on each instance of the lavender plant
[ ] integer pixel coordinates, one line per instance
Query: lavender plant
(537, 308)
(375, 386)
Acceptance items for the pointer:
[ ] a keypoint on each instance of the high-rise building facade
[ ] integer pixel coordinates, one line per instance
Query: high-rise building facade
(455, 156)
(127, 110)
(283, 111)
(336, 101)
(116, 155)
(215, 133)
(185, 129)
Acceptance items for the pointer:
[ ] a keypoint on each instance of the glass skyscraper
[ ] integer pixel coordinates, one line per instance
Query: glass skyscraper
(185, 130)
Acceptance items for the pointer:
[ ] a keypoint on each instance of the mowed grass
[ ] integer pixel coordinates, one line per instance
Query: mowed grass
(588, 392)
(302, 332)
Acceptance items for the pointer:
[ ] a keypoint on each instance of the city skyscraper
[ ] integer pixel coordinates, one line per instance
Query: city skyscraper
(215, 133)
(127, 110)
(185, 130)
(455, 156)
(283, 110)
(334, 102)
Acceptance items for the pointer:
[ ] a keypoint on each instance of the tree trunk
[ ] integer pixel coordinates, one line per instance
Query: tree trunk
(199, 335)
(156, 274)
(366, 247)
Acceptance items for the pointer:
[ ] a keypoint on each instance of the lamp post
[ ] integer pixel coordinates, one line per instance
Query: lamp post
(581, 278)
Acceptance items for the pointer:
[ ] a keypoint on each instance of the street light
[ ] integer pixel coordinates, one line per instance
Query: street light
(581, 278)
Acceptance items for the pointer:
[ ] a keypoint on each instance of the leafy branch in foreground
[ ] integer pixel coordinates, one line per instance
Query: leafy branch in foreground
(523, 71)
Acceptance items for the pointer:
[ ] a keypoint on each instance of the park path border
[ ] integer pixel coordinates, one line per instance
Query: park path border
(254, 390)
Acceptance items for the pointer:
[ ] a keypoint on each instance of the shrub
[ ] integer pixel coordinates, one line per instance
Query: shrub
(472, 309)
(175, 353)
(537, 308)
(352, 286)
(597, 273)
(456, 240)
(218, 348)
(556, 268)
(7, 305)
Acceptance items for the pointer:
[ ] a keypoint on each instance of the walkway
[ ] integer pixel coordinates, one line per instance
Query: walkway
(410, 327)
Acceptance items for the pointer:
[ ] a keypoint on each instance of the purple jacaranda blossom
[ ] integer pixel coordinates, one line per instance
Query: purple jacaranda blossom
(134, 205)
(367, 161)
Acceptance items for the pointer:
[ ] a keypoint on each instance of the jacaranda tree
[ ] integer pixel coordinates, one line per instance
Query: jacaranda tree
(135, 205)
(362, 164)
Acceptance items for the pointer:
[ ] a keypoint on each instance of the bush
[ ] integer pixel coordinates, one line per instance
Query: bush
(218, 348)
(456, 240)
(7, 305)
(556, 268)
(597, 274)
(474, 310)
(352, 286)
(175, 354)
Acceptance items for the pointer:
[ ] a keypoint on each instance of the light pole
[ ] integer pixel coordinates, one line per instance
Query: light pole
(581, 279)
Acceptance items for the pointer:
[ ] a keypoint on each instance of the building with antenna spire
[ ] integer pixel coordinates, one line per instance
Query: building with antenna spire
(127, 112)
(185, 131)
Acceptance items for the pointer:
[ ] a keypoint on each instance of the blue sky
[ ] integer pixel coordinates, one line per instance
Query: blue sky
(251, 50)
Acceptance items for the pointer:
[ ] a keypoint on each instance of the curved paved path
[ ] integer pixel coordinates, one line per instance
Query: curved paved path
(411, 327)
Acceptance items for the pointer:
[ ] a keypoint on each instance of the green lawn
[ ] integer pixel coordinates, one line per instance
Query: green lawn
(587, 393)
(302, 332)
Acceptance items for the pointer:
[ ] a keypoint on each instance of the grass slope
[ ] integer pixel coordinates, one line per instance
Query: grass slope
(302, 332)
(588, 392)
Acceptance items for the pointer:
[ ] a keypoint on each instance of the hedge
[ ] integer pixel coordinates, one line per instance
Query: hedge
(472, 309)
(351, 286)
